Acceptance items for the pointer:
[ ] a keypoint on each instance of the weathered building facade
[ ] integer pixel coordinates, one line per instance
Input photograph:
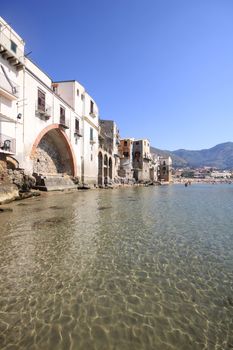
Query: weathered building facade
(141, 160)
(108, 158)
(164, 169)
(126, 158)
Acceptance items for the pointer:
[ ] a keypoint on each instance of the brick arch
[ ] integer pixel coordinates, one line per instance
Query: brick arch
(65, 139)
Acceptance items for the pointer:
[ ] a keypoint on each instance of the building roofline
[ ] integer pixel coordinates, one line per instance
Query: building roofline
(107, 120)
(65, 81)
(33, 62)
(8, 25)
(51, 90)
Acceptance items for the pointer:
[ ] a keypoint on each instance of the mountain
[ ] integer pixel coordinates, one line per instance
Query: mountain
(177, 161)
(219, 156)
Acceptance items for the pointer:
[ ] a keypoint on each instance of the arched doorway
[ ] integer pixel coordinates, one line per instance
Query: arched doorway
(105, 169)
(152, 174)
(100, 169)
(110, 168)
(52, 152)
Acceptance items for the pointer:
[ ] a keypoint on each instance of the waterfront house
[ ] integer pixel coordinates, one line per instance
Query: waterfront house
(141, 160)
(108, 158)
(125, 150)
(136, 161)
(11, 93)
(164, 169)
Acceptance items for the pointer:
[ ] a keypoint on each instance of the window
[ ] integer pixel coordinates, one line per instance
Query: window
(125, 143)
(126, 154)
(91, 134)
(62, 115)
(13, 46)
(91, 157)
(55, 86)
(77, 91)
(82, 97)
(91, 107)
(137, 156)
(137, 142)
(76, 125)
(41, 101)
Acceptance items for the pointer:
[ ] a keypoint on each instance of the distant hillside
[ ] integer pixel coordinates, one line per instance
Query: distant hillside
(219, 156)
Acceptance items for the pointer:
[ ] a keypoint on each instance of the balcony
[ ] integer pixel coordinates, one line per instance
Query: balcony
(92, 141)
(78, 133)
(7, 144)
(93, 112)
(147, 156)
(63, 122)
(44, 112)
(10, 51)
(8, 88)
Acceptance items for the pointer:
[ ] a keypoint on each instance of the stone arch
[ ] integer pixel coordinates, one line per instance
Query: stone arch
(100, 169)
(52, 152)
(110, 167)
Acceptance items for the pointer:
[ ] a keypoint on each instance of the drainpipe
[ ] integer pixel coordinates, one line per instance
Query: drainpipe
(53, 109)
(23, 108)
(82, 158)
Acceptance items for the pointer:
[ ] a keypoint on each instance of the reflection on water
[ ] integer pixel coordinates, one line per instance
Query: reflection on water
(137, 268)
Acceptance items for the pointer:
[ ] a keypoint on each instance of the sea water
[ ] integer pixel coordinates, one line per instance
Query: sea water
(133, 268)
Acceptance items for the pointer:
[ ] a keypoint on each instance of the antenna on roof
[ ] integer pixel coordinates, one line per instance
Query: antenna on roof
(27, 54)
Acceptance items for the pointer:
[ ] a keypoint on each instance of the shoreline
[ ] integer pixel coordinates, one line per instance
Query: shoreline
(203, 181)
(37, 193)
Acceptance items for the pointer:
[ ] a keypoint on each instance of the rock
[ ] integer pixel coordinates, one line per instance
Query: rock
(3, 210)
(83, 187)
(75, 180)
(8, 193)
(24, 195)
(103, 208)
(35, 193)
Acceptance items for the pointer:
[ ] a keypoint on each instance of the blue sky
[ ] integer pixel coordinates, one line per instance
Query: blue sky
(162, 69)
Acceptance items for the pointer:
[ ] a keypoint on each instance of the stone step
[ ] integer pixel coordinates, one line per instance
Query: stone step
(54, 183)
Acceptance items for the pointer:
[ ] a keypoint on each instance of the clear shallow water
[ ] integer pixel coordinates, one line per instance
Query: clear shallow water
(136, 268)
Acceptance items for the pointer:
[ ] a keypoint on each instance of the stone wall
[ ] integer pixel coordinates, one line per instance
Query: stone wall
(8, 191)
(3, 169)
(48, 159)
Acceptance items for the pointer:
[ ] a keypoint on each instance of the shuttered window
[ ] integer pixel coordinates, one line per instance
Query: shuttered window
(76, 125)
(91, 107)
(62, 115)
(91, 134)
(41, 100)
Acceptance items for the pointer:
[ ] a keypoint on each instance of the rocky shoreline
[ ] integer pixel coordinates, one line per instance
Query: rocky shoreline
(18, 186)
(15, 185)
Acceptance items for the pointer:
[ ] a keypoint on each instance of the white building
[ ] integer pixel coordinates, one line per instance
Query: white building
(50, 128)
(11, 65)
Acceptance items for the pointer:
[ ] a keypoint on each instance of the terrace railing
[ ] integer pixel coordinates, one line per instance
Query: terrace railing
(7, 144)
